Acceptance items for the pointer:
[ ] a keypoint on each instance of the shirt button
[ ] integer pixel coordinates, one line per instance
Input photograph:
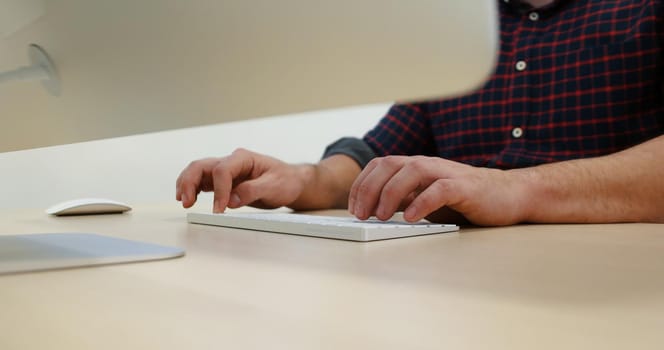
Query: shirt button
(517, 133)
(521, 66)
(534, 16)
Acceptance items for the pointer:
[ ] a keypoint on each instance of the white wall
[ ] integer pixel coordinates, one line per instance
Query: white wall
(143, 169)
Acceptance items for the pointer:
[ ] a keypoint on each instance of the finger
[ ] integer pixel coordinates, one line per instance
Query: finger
(370, 187)
(360, 190)
(398, 189)
(239, 164)
(443, 192)
(178, 192)
(251, 191)
(406, 201)
(178, 186)
(189, 182)
(352, 196)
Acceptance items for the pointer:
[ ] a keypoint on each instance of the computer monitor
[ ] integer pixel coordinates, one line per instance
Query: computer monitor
(134, 66)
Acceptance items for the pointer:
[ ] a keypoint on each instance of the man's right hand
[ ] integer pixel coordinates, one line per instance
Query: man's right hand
(242, 178)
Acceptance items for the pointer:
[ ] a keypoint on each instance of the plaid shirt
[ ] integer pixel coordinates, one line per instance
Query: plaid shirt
(576, 79)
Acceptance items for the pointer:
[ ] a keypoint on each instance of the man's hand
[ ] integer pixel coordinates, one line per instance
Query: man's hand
(434, 187)
(242, 178)
(622, 187)
(248, 178)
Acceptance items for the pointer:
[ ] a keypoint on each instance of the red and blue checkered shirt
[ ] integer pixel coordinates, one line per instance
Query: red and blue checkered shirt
(576, 79)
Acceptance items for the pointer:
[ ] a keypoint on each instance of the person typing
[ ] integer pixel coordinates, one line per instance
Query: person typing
(568, 129)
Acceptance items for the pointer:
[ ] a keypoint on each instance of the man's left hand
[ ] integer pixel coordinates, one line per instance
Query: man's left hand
(432, 187)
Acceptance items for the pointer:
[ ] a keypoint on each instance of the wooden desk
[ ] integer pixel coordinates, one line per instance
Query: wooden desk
(523, 287)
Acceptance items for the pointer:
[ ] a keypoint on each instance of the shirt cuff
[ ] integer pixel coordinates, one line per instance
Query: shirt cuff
(352, 147)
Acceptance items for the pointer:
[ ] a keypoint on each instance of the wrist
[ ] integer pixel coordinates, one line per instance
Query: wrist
(325, 185)
(304, 175)
(529, 193)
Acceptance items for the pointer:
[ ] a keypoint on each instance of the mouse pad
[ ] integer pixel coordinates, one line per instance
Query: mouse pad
(47, 251)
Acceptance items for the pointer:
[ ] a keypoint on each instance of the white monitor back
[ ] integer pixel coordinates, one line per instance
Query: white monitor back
(135, 66)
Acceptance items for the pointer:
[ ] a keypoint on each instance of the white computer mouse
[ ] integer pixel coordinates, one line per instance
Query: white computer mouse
(88, 206)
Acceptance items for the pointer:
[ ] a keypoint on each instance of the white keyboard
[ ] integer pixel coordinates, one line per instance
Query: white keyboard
(346, 228)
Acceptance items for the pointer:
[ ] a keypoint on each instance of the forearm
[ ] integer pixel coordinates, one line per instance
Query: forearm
(326, 184)
(623, 187)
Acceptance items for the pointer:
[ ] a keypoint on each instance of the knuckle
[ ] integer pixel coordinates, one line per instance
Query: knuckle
(374, 162)
(194, 164)
(364, 190)
(419, 165)
(390, 192)
(218, 170)
(441, 186)
(201, 161)
(392, 161)
(241, 152)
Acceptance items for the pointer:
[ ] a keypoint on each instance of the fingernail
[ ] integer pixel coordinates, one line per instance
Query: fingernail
(234, 201)
(351, 206)
(184, 198)
(217, 207)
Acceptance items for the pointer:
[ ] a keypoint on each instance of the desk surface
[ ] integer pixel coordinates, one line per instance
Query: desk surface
(522, 287)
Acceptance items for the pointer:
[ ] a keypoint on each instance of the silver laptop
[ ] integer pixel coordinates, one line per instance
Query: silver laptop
(35, 252)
